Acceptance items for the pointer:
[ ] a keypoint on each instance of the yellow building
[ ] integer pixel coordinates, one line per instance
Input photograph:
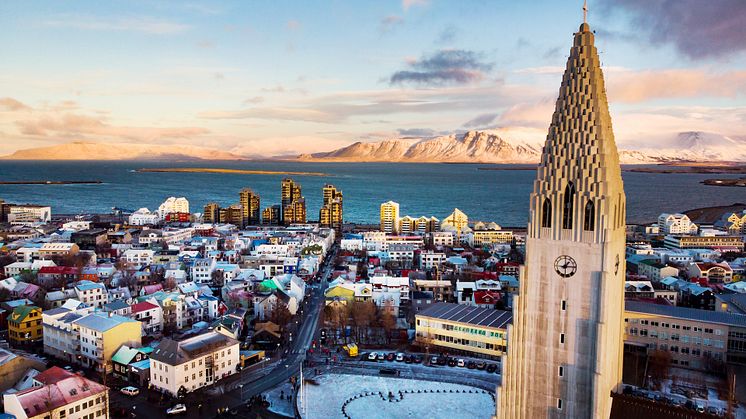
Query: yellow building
(457, 328)
(211, 213)
(330, 214)
(24, 325)
(102, 334)
(250, 207)
(390, 217)
(457, 220)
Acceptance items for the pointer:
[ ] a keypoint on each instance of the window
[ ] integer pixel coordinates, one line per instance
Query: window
(562, 338)
(568, 200)
(546, 213)
(559, 404)
(561, 371)
(564, 305)
(589, 217)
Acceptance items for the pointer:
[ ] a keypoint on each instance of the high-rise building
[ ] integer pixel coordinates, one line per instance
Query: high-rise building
(330, 214)
(173, 205)
(211, 213)
(271, 215)
(290, 192)
(390, 217)
(295, 213)
(232, 215)
(250, 209)
(565, 345)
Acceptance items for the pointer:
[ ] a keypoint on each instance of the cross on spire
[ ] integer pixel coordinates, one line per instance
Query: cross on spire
(585, 11)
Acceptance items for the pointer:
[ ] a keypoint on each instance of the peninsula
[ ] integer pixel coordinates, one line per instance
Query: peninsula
(226, 171)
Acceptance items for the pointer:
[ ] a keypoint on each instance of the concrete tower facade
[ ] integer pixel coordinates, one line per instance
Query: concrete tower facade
(250, 207)
(565, 345)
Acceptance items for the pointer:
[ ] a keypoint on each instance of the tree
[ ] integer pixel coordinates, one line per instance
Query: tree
(659, 367)
(363, 314)
(388, 322)
(280, 315)
(169, 283)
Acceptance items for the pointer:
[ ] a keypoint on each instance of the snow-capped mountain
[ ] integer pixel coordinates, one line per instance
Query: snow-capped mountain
(472, 146)
(515, 146)
(82, 150)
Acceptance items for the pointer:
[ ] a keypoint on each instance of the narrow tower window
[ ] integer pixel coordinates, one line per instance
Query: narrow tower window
(559, 404)
(589, 218)
(569, 199)
(546, 213)
(562, 338)
(564, 305)
(561, 371)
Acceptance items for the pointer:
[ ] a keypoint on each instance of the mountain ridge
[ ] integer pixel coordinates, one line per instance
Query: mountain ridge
(87, 150)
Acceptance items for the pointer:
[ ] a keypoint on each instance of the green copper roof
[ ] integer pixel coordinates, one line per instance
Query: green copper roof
(21, 312)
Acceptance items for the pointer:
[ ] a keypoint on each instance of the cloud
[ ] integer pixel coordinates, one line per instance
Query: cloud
(390, 22)
(638, 86)
(341, 107)
(62, 121)
(10, 104)
(480, 120)
(205, 44)
(293, 25)
(416, 132)
(447, 66)
(447, 35)
(143, 24)
(536, 114)
(406, 4)
(254, 100)
(695, 28)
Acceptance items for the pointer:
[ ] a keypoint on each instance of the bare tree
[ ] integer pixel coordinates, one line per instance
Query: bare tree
(280, 315)
(363, 315)
(659, 367)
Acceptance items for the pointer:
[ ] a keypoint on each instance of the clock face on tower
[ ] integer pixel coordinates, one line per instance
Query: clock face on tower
(565, 266)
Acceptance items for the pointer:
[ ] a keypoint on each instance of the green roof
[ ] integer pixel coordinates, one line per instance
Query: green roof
(268, 284)
(21, 312)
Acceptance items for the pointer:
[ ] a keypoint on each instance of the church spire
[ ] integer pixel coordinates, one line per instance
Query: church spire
(585, 11)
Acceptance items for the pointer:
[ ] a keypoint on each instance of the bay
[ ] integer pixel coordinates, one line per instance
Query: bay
(421, 189)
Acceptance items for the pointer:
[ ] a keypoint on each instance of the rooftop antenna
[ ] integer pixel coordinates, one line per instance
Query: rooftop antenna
(585, 11)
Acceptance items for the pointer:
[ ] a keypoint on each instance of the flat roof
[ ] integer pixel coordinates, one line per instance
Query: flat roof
(708, 316)
(485, 317)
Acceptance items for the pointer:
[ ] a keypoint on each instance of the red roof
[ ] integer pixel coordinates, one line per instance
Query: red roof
(706, 266)
(486, 297)
(60, 388)
(152, 289)
(143, 306)
(58, 270)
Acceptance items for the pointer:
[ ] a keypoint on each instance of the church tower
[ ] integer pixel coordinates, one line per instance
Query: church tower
(565, 345)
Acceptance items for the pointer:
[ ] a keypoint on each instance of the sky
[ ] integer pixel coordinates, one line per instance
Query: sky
(263, 78)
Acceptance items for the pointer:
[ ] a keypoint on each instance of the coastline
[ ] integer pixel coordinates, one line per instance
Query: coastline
(225, 171)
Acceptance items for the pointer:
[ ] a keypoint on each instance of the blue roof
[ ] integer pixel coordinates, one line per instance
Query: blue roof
(101, 322)
(141, 365)
(86, 285)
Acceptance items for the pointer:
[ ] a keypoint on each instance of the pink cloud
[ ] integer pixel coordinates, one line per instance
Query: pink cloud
(640, 86)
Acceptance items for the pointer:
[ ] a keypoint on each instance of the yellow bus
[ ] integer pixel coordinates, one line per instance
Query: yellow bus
(351, 349)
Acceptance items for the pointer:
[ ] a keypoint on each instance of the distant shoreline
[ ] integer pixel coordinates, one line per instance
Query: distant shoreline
(225, 171)
(51, 182)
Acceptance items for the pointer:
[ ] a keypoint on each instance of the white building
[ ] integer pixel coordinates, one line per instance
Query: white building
(92, 293)
(57, 393)
(29, 214)
(676, 224)
(442, 238)
(391, 284)
(430, 259)
(193, 363)
(173, 205)
(138, 256)
(61, 334)
(77, 225)
(142, 217)
(150, 315)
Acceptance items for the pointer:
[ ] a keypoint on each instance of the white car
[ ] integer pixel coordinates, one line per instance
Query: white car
(461, 363)
(372, 356)
(176, 410)
(399, 357)
(130, 391)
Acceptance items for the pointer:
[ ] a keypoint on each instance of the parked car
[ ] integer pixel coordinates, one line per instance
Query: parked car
(381, 356)
(130, 391)
(442, 361)
(471, 365)
(400, 357)
(176, 410)
(387, 371)
(390, 356)
(451, 362)
(417, 359)
(433, 360)
(713, 410)
(372, 356)
(700, 407)
(461, 363)
(409, 359)
(491, 367)
(481, 365)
